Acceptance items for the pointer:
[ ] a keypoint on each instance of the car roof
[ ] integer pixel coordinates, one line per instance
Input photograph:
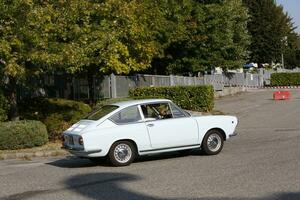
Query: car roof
(124, 104)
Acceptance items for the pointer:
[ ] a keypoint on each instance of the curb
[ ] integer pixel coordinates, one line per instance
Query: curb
(267, 87)
(281, 87)
(29, 155)
(225, 84)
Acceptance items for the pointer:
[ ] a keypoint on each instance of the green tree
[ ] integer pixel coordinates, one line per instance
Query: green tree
(292, 51)
(90, 37)
(16, 46)
(268, 26)
(211, 34)
(77, 37)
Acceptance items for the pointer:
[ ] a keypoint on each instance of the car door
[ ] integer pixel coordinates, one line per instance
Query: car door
(130, 126)
(168, 126)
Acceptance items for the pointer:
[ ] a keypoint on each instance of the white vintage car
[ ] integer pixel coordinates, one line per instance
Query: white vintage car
(124, 130)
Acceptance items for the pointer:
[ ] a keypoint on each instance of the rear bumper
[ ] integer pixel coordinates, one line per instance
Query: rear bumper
(81, 152)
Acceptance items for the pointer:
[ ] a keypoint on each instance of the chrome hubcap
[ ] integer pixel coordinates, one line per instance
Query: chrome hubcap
(122, 153)
(214, 142)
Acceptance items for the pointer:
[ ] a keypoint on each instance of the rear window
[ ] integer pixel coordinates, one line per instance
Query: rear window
(101, 112)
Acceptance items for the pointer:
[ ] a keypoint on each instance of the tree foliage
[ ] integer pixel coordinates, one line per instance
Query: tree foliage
(16, 46)
(102, 36)
(74, 36)
(292, 51)
(121, 36)
(272, 32)
(209, 34)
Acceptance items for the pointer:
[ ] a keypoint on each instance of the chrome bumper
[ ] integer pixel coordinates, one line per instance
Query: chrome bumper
(80, 150)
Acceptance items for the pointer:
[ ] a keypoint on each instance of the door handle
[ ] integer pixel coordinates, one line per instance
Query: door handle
(150, 125)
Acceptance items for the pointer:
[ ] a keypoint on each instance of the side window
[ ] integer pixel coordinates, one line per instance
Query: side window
(177, 113)
(127, 115)
(157, 111)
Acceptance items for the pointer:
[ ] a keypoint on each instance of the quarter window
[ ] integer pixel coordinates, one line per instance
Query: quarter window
(177, 113)
(127, 115)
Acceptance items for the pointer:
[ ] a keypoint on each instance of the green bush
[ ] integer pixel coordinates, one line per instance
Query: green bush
(3, 107)
(197, 98)
(22, 134)
(285, 79)
(56, 114)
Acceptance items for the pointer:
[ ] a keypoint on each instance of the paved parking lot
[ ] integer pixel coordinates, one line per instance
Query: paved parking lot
(262, 162)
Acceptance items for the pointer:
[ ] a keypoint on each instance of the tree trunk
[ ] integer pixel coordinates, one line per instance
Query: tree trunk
(13, 113)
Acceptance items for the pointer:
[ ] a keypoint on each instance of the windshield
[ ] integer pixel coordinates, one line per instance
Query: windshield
(101, 112)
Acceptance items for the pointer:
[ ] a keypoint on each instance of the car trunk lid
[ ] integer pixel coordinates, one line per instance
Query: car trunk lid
(79, 127)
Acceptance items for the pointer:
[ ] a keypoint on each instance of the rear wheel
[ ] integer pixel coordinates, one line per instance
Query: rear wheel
(122, 153)
(213, 142)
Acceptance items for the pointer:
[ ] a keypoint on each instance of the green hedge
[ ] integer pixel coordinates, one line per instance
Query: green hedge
(285, 79)
(197, 98)
(56, 114)
(22, 134)
(3, 107)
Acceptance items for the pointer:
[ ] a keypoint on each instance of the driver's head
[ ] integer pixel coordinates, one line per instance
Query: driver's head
(163, 111)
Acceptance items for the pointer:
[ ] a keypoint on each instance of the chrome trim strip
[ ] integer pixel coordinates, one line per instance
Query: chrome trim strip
(80, 150)
(160, 149)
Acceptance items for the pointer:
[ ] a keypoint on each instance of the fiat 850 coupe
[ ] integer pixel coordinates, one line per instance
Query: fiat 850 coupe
(122, 131)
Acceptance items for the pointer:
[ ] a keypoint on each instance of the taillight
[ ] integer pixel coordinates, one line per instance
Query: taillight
(80, 140)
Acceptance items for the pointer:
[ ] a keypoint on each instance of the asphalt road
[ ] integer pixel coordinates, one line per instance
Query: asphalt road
(262, 162)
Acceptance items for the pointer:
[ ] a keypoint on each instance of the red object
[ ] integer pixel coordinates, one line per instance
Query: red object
(281, 95)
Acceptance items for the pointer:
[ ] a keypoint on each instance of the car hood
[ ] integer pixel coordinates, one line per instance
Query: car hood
(80, 126)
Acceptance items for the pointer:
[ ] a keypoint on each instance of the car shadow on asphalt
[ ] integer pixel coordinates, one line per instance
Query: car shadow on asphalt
(75, 162)
(113, 186)
(103, 186)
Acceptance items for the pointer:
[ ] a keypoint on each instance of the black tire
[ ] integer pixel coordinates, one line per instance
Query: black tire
(122, 153)
(213, 142)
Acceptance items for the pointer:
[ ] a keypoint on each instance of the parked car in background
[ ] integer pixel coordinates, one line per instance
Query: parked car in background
(122, 131)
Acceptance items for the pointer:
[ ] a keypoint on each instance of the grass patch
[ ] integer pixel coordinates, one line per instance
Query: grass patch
(51, 146)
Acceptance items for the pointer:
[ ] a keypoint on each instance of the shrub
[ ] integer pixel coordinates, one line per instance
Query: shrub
(56, 114)
(56, 124)
(197, 98)
(22, 134)
(285, 79)
(3, 107)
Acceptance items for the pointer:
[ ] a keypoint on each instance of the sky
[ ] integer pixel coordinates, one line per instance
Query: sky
(293, 9)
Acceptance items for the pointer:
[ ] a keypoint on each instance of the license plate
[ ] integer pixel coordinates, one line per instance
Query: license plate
(70, 140)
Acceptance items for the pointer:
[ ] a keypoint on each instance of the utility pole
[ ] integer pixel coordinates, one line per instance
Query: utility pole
(285, 43)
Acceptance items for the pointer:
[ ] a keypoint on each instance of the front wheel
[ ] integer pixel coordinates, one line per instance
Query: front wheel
(122, 153)
(213, 142)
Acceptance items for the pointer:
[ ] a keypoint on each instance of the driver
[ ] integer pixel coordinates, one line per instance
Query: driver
(163, 112)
